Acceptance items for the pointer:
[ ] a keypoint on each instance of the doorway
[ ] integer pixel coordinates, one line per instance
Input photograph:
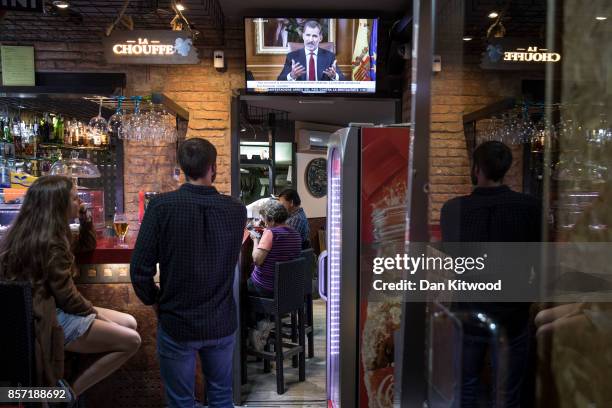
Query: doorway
(280, 142)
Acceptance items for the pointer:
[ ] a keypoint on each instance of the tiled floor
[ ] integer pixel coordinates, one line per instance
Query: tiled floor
(261, 388)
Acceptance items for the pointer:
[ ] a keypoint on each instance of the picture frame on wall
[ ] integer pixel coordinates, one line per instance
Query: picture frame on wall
(275, 35)
(315, 177)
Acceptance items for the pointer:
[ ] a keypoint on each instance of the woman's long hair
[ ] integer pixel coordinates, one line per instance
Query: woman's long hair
(39, 232)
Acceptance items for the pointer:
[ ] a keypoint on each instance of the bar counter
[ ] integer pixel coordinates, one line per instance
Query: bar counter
(104, 279)
(108, 250)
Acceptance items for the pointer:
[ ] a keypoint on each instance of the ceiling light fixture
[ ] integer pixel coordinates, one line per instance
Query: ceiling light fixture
(61, 4)
(468, 38)
(180, 6)
(493, 14)
(601, 18)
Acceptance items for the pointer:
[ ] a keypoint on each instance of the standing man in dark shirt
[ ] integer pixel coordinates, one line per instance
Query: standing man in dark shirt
(493, 213)
(290, 199)
(194, 234)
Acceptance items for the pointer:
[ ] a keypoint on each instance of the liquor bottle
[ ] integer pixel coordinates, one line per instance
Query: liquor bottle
(48, 126)
(9, 132)
(39, 125)
(5, 130)
(68, 130)
(104, 138)
(89, 137)
(81, 135)
(5, 175)
(58, 130)
(16, 136)
(96, 135)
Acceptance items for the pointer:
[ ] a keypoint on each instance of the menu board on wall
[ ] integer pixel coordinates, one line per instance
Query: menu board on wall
(17, 65)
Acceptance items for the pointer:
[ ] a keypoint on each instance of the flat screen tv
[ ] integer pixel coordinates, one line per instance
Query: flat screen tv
(311, 55)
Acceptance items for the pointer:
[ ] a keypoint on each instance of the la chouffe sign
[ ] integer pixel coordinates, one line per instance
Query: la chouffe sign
(515, 54)
(22, 5)
(154, 47)
(532, 54)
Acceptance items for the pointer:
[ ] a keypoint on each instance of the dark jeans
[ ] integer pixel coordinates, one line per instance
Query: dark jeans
(177, 364)
(508, 361)
(257, 290)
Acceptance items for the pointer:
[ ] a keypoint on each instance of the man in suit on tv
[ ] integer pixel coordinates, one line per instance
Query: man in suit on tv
(311, 63)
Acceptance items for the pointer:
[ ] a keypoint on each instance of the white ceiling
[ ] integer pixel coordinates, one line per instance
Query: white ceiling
(239, 8)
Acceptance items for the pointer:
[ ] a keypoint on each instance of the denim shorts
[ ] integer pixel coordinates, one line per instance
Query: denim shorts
(74, 326)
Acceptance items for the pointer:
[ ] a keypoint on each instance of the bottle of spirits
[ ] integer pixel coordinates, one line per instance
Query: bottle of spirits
(47, 127)
(11, 132)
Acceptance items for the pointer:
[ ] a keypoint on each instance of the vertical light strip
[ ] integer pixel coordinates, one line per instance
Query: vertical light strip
(335, 224)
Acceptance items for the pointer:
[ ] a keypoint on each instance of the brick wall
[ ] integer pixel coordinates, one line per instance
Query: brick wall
(200, 89)
(462, 87)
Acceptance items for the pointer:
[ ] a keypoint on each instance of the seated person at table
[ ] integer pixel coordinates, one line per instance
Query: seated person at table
(38, 248)
(278, 243)
(297, 220)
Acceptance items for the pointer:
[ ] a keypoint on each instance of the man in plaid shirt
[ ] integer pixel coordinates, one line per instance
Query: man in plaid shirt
(297, 220)
(194, 234)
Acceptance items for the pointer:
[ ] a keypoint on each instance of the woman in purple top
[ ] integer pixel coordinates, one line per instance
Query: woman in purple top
(278, 243)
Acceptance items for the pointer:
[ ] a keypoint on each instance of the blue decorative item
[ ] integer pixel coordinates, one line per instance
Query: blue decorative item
(495, 52)
(183, 46)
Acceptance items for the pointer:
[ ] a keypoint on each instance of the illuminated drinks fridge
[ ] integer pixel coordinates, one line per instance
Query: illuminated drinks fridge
(366, 217)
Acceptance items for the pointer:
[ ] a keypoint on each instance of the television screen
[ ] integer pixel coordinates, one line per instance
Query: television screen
(311, 55)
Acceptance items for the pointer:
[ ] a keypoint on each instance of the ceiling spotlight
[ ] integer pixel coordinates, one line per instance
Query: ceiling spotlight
(601, 18)
(493, 14)
(61, 4)
(468, 38)
(179, 6)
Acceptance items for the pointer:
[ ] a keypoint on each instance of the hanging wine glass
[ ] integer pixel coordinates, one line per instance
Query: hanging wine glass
(98, 123)
(114, 122)
(137, 120)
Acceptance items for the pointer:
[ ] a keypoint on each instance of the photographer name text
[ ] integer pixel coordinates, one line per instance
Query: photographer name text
(426, 285)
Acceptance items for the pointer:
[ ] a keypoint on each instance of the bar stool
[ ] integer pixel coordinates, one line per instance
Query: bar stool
(288, 298)
(290, 331)
(309, 257)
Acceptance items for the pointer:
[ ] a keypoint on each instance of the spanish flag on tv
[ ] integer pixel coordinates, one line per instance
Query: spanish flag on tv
(361, 52)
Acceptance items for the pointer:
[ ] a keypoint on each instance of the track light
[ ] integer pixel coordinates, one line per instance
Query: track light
(61, 4)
